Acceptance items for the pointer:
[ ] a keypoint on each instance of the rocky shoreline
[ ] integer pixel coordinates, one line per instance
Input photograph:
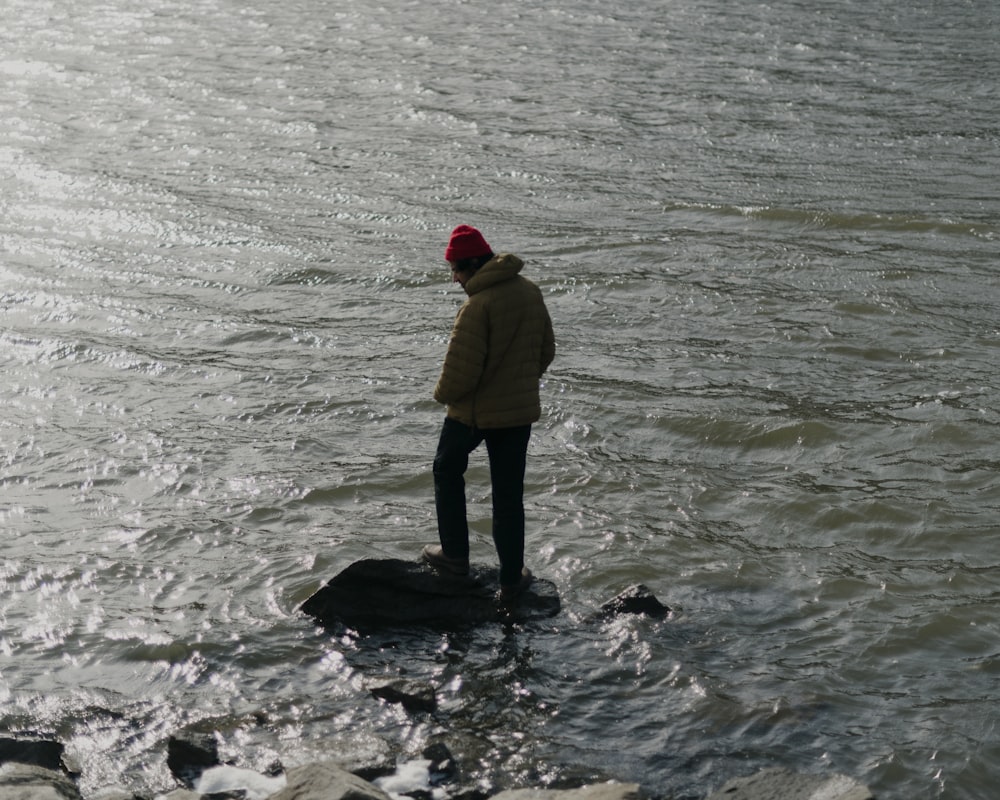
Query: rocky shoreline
(32, 769)
(369, 595)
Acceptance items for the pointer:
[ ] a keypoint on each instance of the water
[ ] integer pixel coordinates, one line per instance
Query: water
(767, 234)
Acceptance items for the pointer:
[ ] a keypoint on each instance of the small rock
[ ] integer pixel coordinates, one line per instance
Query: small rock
(412, 695)
(637, 599)
(443, 768)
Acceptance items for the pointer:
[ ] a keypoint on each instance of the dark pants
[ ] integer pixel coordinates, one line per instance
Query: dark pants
(508, 450)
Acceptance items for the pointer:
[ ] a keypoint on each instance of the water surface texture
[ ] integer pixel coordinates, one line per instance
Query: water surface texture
(767, 234)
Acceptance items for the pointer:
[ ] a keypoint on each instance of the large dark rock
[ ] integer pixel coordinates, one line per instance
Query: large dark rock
(376, 594)
(189, 753)
(43, 753)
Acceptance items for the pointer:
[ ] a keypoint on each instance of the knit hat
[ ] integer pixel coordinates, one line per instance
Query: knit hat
(466, 242)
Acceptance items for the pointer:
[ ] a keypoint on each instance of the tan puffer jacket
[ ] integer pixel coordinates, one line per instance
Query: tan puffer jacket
(501, 343)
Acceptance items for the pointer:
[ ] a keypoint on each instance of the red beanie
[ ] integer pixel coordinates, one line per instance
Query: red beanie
(466, 242)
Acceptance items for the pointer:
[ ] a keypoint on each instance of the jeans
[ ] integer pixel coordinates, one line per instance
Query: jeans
(508, 450)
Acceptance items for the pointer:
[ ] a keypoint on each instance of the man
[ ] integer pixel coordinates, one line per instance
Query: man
(501, 344)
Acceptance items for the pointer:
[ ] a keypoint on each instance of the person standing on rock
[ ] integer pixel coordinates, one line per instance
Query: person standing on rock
(501, 344)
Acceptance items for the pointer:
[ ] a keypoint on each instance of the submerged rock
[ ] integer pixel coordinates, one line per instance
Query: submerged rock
(780, 784)
(375, 594)
(636, 599)
(412, 695)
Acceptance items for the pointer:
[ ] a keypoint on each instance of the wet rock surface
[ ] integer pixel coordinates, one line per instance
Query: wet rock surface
(189, 753)
(373, 594)
(326, 782)
(638, 599)
(377, 594)
(35, 752)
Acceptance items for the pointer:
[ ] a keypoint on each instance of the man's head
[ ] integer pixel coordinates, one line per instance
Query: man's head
(466, 252)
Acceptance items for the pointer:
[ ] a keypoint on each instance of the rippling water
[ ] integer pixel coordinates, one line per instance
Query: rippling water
(767, 234)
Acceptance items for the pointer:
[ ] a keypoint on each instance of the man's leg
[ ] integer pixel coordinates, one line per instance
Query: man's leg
(508, 451)
(450, 462)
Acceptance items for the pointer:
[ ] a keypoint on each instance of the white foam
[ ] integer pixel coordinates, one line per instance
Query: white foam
(228, 779)
(409, 776)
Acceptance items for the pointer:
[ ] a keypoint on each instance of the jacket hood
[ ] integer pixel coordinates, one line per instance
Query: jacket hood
(497, 270)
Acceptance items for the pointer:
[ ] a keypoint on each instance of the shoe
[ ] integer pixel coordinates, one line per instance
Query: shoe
(509, 592)
(434, 555)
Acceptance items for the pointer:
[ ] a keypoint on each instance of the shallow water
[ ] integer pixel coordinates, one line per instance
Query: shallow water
(767, 235)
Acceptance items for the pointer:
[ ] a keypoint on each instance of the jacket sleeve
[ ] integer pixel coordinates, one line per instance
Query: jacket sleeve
(548, 343)
(466, 356)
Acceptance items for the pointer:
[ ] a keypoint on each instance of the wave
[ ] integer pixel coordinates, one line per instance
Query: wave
(840, 221)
